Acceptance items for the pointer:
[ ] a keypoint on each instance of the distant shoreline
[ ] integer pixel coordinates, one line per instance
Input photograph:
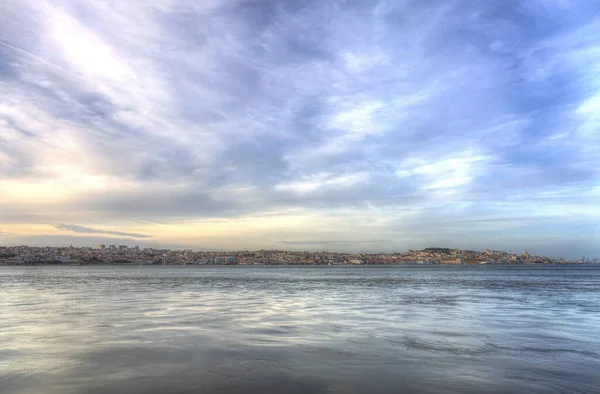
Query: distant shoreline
(289, 265)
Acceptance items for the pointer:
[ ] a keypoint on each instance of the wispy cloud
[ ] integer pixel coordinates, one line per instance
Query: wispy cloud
(90, 230)
(357, 114)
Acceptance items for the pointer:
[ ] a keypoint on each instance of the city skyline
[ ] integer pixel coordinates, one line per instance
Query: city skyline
(124, 254)
(339, 125)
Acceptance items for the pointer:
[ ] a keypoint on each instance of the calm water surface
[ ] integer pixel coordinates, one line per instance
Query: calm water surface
(109, 329)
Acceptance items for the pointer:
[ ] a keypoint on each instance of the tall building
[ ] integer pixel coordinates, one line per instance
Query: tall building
(100, 247)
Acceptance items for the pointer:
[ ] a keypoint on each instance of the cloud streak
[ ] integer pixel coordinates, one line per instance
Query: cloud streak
(90, 230)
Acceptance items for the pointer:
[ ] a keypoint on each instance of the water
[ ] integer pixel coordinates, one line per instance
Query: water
(148, 329)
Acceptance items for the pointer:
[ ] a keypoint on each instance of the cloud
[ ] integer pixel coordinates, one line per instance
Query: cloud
(90, 230)
(352, 113)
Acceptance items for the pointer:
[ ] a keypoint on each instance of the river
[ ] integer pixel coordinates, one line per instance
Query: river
(236, 329)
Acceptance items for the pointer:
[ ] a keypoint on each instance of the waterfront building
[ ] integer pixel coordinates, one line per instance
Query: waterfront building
(452, 261)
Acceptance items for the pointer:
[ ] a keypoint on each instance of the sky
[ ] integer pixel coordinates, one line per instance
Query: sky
(302, 125)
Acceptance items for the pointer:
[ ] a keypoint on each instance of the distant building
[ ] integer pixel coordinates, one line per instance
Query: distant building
(122, 247)
(112, 247)
(452, 261)
(100, 247)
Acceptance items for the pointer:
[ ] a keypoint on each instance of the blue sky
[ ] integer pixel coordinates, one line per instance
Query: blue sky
(340, 125)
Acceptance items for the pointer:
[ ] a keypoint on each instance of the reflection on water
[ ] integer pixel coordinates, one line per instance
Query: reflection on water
(299, 329)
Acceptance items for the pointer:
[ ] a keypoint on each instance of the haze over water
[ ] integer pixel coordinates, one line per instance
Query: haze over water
(109, 329)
